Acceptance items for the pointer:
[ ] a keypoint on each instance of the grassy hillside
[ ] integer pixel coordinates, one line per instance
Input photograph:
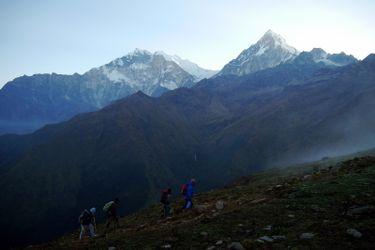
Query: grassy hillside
(320, 201)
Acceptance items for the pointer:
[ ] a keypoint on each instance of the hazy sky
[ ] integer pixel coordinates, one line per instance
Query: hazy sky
(40, 36)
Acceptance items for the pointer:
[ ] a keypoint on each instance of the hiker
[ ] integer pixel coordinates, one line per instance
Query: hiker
(165, 200)
(187, 191)
(88, 224)
(110, 209)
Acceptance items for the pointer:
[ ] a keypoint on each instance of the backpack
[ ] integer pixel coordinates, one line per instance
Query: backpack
(85, 218)
(107, 206)
(184, 188)
(164, 196)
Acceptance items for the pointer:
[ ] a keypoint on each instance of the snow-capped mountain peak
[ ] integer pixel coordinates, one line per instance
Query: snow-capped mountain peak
(270, 50)
(151, 73)
(274, 40)
(137, 52)
(320, 56)
(142, 70)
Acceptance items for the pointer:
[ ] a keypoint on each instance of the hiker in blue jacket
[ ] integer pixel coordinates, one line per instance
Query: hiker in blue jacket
(188, 193)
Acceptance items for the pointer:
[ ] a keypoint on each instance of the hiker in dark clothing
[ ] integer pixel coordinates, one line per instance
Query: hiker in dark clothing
(187, 191)
(111, 210)
(165, 200)
(87, 221)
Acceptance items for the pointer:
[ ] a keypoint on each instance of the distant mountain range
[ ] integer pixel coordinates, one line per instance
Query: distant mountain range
(219, 129)
(29, 102)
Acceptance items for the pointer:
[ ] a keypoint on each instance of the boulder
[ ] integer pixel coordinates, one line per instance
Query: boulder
(204, 234)
(306, 236)
(219, 242)
(360, 210)
(219, 205)
(266, 239)
(235, 246)
(171, 239)
(354, 232)
(278, 237)
(267, 228)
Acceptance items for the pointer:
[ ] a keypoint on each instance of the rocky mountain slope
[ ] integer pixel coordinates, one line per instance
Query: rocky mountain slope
(326, 204)
(220, 129)
(29, 102)
(190, 67)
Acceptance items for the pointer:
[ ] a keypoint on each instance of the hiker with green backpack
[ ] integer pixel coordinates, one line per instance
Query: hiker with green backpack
(110, 208)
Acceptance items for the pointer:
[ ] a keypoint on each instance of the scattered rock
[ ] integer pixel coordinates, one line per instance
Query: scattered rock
(166, 246)
(354, 232)
(306, 236)
(204, 234)
(236, 246)
(111, 248)
(360, 210)
(240, 225)
(268, 228)
(211, 248)
(219, 242)
(219, 205)
(291, 216)
(171, 239)
(317, 209)
(258, 200)
(278, 237)
(266, 239)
